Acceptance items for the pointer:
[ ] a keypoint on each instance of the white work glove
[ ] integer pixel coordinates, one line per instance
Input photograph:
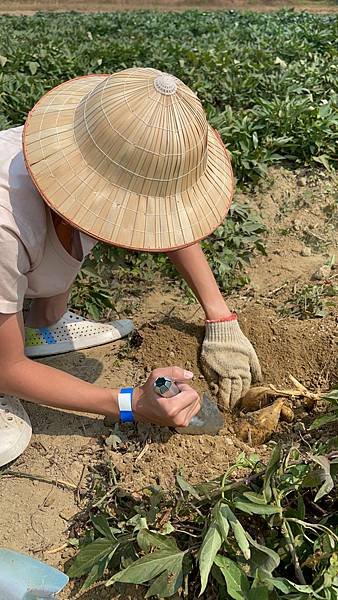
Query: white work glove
(229, 360)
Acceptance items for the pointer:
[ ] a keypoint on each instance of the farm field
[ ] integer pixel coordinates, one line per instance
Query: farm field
(269, 85)
(31, 6)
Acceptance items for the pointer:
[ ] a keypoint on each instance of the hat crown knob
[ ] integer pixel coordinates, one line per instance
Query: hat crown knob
(166, 84)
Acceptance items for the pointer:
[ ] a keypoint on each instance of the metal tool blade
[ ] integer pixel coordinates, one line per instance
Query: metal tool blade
(208, 421)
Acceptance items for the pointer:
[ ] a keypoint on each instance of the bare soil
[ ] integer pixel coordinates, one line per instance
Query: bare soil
(30, 6)
(35, 516)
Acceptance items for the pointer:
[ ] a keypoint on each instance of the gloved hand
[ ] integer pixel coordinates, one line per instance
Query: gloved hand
(229, 360)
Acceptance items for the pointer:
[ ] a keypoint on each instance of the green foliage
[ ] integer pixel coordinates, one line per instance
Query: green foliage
(267, 81)
(228, 250)
(269, 535)
(309, 302)
(91, 294)
(332, 415)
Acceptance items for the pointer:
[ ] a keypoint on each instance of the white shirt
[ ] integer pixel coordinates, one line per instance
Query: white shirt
(33, 262)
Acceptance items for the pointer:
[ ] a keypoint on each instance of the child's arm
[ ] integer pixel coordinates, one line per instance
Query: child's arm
(194, 268)
(39, 383)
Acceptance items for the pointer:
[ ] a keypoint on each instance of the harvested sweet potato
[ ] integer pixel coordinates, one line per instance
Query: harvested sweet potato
(286, 413)
(255, 428)
(256, 398)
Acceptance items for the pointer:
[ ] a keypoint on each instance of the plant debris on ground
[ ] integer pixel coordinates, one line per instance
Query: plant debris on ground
(270, 534)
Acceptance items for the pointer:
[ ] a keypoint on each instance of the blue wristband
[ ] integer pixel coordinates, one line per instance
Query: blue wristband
(124, 400)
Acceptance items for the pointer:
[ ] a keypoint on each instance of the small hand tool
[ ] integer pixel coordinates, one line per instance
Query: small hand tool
(209, 420)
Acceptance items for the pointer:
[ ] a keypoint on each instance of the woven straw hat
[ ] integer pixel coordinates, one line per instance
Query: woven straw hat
(129, 159)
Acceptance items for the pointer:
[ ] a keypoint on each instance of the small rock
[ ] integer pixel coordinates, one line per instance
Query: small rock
(297, 225)
(306, 252)
(172, 354)
(302, 182)
(321, 273)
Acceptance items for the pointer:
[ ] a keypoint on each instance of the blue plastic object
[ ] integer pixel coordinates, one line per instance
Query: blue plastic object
(25, 578)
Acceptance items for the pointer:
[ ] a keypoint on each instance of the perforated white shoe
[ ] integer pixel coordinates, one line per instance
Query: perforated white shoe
(15, 429)
(73, 332)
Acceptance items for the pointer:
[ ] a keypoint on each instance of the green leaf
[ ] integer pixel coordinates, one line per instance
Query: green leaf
(187, 487)
(332, 396)
(256, 509)
(33, 67)
(166, 584)
(96, 573)
(262, 557)
(102, 526)
(238, 531)
(149, 566)
(220, 516)
(93, 311)
(147, 539)
(90, 555)
(323, 160)
(258, 593)
(270, 470)
(211, 544)
(328, 481)
(330, 417)
(286, 586)
(255, 498)
(236, 581)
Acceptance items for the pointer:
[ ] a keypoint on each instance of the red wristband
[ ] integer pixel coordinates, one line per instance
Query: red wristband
(231, 317)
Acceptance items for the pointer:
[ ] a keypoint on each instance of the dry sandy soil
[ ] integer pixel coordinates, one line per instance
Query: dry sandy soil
(35, 515)
(30, 6)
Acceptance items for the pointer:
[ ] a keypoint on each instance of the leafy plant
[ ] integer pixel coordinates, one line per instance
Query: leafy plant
(267, 81)
(269, 535)
(91, 295)
(229, 249)
(309, 302)
(332, 415)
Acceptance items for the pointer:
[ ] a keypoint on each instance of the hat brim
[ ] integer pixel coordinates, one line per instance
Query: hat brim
(107, 212)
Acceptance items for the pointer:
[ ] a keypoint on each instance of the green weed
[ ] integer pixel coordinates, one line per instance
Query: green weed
(269, 535)
(332, 415)
(309, 302)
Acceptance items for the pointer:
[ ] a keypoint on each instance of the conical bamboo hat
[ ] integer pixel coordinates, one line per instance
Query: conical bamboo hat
(130, 159)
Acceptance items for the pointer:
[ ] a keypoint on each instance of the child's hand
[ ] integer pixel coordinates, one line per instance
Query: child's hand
(171, 412)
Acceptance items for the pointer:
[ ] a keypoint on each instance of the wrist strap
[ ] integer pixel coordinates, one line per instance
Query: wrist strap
(124, 400)
(231, 317)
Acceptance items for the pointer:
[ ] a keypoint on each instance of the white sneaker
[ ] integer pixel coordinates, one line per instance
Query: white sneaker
(15, 429)
(73, 332)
